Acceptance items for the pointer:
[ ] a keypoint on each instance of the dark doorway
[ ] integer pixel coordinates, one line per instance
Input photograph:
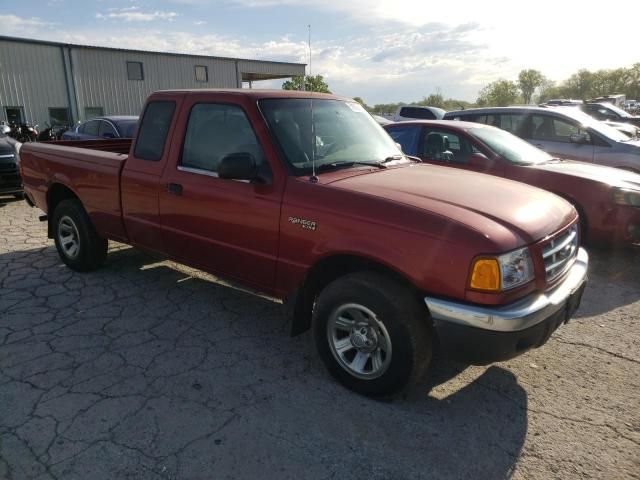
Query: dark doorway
(14, 114)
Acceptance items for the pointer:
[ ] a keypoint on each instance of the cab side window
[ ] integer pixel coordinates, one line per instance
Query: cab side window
(154, 129)
(215, 131)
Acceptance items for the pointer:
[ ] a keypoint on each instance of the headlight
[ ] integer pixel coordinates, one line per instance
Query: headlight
(502, 273)
(625, 196)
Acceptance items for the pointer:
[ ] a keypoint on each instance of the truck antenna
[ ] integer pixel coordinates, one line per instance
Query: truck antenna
(313, 178)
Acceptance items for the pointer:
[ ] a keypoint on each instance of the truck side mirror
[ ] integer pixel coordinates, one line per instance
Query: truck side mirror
(238, 166)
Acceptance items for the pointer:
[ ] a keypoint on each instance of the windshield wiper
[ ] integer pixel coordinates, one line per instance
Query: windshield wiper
(336, 165)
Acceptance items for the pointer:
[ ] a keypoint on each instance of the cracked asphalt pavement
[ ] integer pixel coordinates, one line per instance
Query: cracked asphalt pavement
(150, 370)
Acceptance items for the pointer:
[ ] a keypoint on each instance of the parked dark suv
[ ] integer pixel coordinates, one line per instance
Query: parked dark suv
(10, 182)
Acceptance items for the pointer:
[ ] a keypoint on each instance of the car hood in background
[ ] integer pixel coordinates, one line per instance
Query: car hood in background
(598, 173)
(7, 146)
(493, 206)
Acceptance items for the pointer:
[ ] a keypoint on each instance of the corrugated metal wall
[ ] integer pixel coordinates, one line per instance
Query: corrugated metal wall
(101, 77)
(31, 77)
(271, 68)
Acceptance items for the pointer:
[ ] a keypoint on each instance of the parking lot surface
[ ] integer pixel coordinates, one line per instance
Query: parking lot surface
(150, 370)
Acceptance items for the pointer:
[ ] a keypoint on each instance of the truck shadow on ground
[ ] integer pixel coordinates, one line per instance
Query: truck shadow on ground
(183, 343)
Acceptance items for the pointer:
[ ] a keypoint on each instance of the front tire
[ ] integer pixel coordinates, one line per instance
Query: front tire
(372, 334)
(78, 244)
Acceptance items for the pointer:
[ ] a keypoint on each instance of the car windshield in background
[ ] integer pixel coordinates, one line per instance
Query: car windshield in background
(127, 127)
(600, 127)
(618, 110)
(509, 146)
(344, 132)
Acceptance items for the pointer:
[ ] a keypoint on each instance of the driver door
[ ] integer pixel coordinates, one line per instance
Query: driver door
(227, 227)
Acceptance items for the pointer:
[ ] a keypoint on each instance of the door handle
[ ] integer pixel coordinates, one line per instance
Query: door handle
(540, 146)
(174, 188)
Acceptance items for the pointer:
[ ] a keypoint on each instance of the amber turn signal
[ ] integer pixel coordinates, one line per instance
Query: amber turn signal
(486, 275)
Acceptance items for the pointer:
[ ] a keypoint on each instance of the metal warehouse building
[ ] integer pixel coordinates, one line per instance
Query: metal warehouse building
(59, 83)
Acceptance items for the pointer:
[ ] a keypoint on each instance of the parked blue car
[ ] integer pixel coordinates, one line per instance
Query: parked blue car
(122, 126)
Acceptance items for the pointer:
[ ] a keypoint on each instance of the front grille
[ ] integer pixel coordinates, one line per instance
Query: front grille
(559, 253)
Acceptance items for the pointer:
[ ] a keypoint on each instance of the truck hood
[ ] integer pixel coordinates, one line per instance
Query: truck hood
(495, 207)
(614, 177)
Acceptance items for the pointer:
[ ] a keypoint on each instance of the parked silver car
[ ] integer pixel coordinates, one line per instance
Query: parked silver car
(563, 132)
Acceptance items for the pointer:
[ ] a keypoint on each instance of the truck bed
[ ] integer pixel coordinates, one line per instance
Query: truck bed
(116, 145)
(89, 168)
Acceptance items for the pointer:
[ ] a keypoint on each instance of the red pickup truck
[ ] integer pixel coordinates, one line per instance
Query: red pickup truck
(305, 198)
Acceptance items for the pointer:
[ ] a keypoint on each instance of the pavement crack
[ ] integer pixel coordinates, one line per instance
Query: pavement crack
(600, 349)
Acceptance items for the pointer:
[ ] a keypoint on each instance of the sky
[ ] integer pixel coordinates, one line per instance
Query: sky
(381, 50)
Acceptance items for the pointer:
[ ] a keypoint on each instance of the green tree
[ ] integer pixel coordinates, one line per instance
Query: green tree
(633, 82)
(362, 102)
(313, 83)
(386, 108)
(500, 93)
(548, 90)
(579, 85)
(616, 80)
(528, 81)
(433, 100)
(600, 83)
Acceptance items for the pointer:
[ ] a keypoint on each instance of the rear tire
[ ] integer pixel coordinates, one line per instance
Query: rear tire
(372, 334)
(77, 242)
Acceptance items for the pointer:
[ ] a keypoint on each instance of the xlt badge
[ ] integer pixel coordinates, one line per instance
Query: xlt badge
(304, 223)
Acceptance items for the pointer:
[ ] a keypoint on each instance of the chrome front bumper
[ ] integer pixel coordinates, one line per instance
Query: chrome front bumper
(520, 315)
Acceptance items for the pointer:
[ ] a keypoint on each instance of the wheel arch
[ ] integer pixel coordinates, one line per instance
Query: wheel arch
(584, 220)
(299, 303)
(56, 193)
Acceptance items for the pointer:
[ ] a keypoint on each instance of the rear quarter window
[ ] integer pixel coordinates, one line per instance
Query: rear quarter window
(153, 130)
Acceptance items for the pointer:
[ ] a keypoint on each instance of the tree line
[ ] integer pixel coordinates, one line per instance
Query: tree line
(531, 86)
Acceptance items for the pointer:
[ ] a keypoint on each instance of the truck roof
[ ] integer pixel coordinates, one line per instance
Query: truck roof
(256, 93)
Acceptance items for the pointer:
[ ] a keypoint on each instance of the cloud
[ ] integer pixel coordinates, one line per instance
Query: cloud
(381, 50)
(133, 14)
(407, 65)
(15, 24)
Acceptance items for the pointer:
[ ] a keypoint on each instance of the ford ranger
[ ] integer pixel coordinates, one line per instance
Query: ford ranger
(304, 197)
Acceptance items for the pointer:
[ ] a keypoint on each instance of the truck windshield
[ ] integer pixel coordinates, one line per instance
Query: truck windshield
(329, 131)
(509, 146)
